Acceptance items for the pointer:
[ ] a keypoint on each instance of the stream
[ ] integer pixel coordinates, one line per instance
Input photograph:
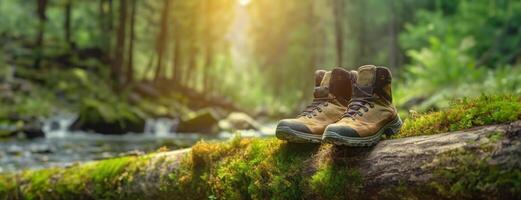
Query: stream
(62, 147)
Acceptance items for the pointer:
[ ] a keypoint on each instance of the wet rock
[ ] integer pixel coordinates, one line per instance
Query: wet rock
(8, 130)
(203, 122)
(41, 149)
(109, 128)
(14, 150)
(238, 121)
(30, 130)
(33, 130)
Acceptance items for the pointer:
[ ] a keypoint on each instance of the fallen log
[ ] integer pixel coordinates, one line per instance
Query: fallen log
(479, 163)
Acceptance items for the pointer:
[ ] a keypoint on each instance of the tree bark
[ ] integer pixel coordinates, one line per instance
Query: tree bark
(130, 62)
(67, 23)
(393, 36)
(105, 18)
(119, 54)
(338, 10)
(162, 40)
(42, 19)
(176, 58)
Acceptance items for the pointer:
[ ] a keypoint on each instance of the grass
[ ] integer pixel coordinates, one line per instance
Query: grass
(463, 114)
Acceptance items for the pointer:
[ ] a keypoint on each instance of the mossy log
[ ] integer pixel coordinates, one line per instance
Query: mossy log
(479, 163)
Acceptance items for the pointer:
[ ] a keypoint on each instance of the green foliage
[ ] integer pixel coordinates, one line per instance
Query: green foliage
(494, 24)
(465, 113)
(461, 49)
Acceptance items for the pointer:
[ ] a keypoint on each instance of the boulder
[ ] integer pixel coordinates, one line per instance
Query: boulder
(204, 121)
(25, 129)
(238, 121)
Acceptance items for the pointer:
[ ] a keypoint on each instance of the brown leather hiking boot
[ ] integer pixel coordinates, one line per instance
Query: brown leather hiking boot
(332, 94)
(370, 112)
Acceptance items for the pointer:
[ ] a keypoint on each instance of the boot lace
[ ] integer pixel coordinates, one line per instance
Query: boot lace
(309, 111)
(359, 103)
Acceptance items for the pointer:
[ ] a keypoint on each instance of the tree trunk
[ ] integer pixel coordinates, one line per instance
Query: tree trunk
(130, 62)
(42, 19)
(362, 33)
(176, 58)
(162, 40)
(119, 54)
(67, 23)
(105, 10)
(394, 49)
(338, 10)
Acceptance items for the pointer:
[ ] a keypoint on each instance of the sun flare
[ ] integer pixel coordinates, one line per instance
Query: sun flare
(244, 2)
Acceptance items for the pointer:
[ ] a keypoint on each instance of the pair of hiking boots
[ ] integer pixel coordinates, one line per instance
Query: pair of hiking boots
(352, 108)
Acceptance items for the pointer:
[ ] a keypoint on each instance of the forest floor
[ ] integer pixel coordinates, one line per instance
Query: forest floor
(470, 150)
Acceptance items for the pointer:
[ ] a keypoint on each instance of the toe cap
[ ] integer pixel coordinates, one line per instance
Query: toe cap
(293, 125)
(345, 131)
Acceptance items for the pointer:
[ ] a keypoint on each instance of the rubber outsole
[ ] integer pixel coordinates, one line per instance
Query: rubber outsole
(293, 136)
(391, 128)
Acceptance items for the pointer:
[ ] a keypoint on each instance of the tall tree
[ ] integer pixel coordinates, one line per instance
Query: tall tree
(209, 40)
(106, 24)
(176, 57)
(42, 19)
(67, 23)
(130, 62)
(120, 43)
(338, 11)
(162, 40)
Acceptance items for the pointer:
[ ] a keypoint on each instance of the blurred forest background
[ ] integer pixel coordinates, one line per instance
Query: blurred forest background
(119, 62)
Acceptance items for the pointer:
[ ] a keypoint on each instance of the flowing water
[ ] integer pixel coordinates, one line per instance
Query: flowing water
(62, 147)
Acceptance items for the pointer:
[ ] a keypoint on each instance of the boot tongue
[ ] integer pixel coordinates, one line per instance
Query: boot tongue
(319, 76)
(322, 89)
(365, 81)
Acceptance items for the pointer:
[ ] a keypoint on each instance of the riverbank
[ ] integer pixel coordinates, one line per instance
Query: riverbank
(30, 98)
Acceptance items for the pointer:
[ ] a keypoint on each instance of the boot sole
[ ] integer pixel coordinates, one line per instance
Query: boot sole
(391, 128)
(293, 136)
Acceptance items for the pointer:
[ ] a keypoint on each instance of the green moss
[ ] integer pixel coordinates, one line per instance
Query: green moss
(465, 174)
(91, 180)
(260, 169)
(7, 186)
(333, 182)
(463, 114)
